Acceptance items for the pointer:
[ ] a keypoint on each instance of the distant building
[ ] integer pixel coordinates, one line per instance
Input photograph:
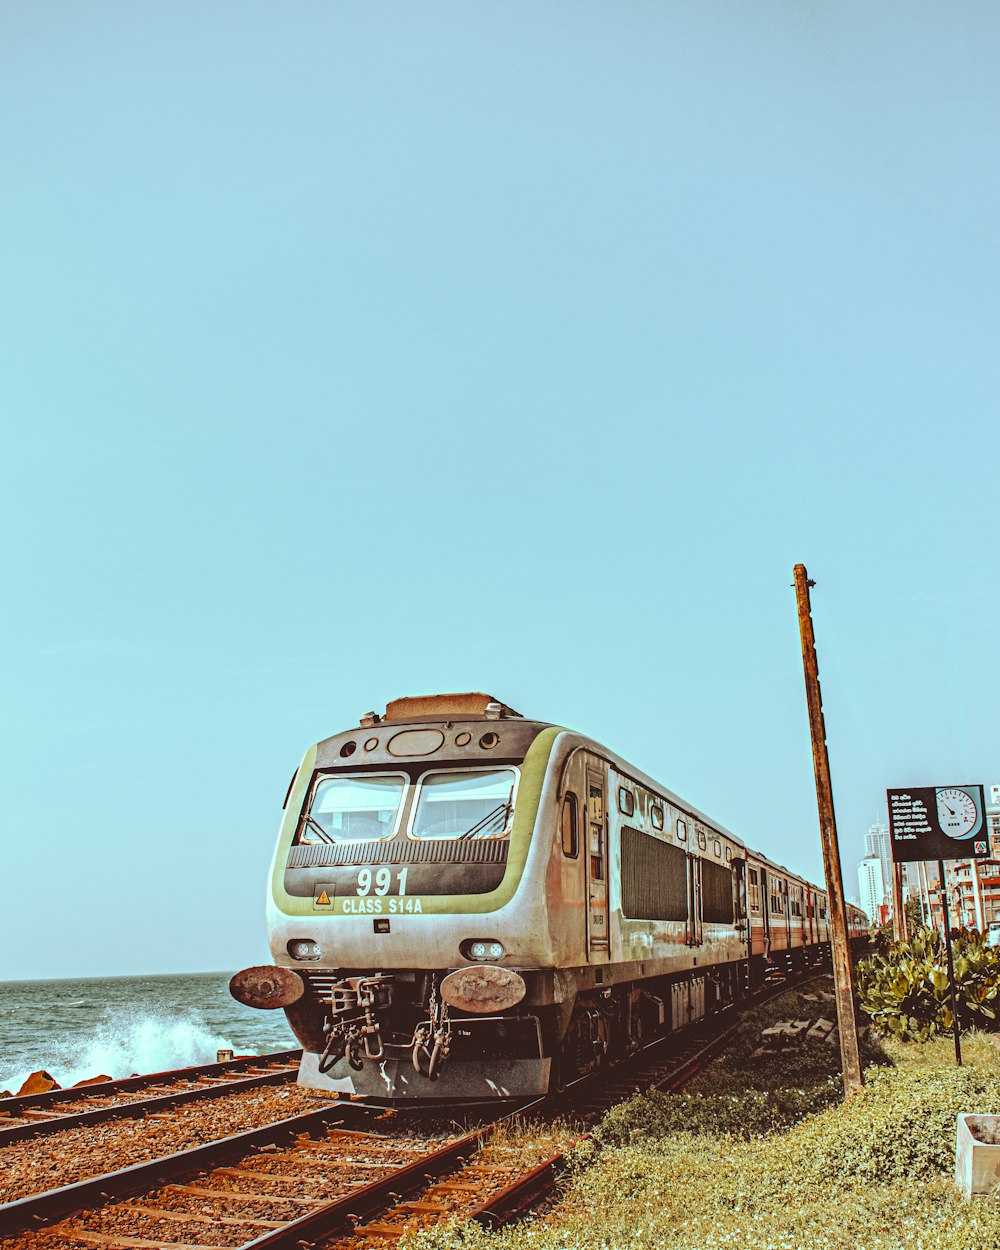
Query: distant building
(871, 886)
(878, 842)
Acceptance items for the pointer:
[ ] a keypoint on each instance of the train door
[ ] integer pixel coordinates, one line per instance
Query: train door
(765, 910)
(740, 899)
(694, 901)
(786, 886)
(597, 867)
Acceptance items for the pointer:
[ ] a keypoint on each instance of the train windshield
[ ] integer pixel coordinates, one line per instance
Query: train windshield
(353, 809)
(464, 804)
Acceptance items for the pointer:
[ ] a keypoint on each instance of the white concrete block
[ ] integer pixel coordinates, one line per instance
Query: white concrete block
(977, 1154)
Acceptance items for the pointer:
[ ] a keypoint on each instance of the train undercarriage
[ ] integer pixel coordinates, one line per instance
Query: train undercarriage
(395, 1037)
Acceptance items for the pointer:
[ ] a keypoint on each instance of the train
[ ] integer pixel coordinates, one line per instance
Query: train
(466, 904)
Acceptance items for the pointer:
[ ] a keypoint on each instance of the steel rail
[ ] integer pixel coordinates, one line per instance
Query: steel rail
(53, 1204)
(691, 1065)
(141, 1107)
(343, 1214)
(506, 1205)
(512, 1201)
(17, 1102)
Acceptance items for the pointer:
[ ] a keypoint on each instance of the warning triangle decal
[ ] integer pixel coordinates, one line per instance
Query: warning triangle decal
(323, 900)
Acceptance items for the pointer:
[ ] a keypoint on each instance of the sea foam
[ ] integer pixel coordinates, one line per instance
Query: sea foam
(115, 1046)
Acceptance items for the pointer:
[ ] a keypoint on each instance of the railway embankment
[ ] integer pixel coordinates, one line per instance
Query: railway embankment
(760, 1151)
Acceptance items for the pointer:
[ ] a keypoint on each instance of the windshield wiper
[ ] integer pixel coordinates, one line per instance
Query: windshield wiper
(490, 816)
(314, 824)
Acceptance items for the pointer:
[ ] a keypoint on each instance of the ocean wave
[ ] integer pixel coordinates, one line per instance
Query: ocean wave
(115, 1046)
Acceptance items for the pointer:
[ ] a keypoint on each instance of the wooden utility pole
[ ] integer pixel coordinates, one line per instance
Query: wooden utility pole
(843, 974)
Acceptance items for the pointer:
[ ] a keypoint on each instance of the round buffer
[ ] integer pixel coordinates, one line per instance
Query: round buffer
(267, 986)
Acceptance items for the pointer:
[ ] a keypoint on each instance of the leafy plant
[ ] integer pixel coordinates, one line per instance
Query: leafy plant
(880, 936)
(904, 989)
(914, 915)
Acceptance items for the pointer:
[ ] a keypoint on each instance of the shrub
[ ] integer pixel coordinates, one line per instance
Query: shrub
(901, 1125)
(880, 936)
(753, 1113)
(905, 990)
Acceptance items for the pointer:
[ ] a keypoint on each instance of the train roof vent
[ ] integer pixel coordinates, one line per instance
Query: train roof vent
(472, 706)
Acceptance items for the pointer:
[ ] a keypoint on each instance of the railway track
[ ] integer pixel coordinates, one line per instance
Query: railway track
(134, 1097)
(311, 1176)
(346, 1174)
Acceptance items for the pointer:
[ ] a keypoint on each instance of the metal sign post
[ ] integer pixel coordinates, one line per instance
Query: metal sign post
(951, 967)
(843, 973)
(939, 822)
(898, 907)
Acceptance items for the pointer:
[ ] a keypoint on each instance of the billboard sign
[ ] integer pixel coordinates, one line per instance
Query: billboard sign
(938, 822)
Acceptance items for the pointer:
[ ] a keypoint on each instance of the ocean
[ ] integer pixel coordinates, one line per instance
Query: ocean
(119, 1025)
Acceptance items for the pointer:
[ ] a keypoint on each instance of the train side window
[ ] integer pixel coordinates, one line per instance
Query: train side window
(656, 815)
(754, 890)
(595, 804)
(729, 854)
(682, 831)
(626, 801)
(702, 840)
(717, 847)
(595, 835)
(596, 850)
(596, 839)
(570, 828)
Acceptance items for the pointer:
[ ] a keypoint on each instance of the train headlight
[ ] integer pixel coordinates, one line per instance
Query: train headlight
(481, 948)
(303, 949)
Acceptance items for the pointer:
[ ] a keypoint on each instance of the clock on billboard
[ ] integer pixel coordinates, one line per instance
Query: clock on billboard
(938, 822)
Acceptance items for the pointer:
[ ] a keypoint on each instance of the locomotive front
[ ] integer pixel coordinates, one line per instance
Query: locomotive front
(406, 907)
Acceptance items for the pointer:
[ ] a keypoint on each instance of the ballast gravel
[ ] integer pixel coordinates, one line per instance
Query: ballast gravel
(76, 1154)
(228, 1206)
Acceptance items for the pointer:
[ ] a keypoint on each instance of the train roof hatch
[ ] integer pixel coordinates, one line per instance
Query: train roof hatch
(432, 707)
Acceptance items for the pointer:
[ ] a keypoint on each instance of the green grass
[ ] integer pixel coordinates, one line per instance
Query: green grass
(764, 1154)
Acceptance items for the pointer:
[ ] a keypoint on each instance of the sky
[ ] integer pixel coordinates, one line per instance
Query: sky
(350, 351)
